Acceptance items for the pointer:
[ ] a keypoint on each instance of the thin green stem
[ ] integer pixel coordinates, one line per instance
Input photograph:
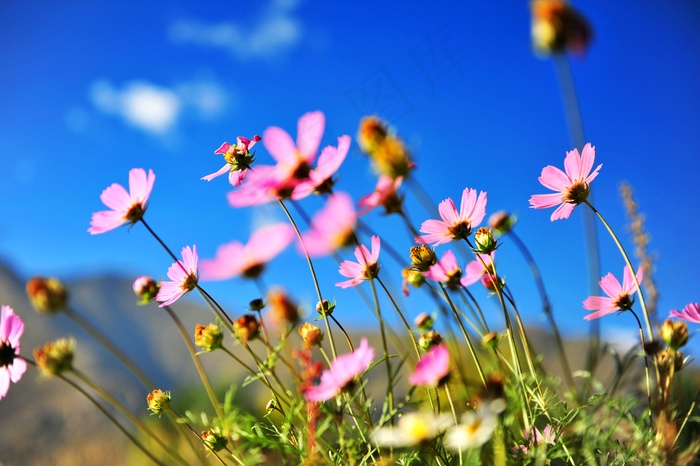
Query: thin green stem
(197, 363)
(403, 318)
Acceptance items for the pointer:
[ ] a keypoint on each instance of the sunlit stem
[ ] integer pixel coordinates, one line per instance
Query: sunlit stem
(385, 347)
(646, 359)
(464, 334)
(642, 301)
(136, 421)
(197, 363)
(546, 306)
(216, 307)
(313, 276)
(111, 418)
(403, 318)
(452, 405)
(102, 339)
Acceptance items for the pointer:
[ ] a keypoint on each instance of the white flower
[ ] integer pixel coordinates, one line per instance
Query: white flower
(412, 429)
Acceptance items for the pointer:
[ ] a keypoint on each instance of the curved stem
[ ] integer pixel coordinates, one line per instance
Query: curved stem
(403, 318)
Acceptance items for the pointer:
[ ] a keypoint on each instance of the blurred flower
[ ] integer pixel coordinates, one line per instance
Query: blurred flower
(320, 179)
(429, 339)
(12, 367)
(690, 313)
(502, 222)
(573, 187)
(247, 328)
(282, 310)
(311, 335)
(238, 159)
(385, 194)
(674, 333)
(535, 437)
(446, 270)
(184, 276)
(332, 227)
(412, 277)
(47, 295)
(158, 401)
(455, 225)
(366, 267)
(126, 207)
(388, 153)
(146, 289)
(619, 297)
(475, 429)
(475, 270)
(558, 27)
(248, 260)
(371, 134)
(433, 368)
(208, 337)
(343, 371)
(412, 429)
(55, 357)
(424, 321)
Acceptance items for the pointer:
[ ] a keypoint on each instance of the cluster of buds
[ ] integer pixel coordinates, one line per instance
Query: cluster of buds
(55, 357)
(422, 258)
(47, 295)
(282, 309)
(208, 337)
(388, 153)
(311, 335)
(247, 328)
(146, 289)
(158, 401)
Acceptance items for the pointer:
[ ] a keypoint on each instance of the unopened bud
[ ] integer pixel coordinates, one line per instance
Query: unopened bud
(422, 257)
(208, 338)
(429, 339)
(256, 305)
(424, 321)
(55, 357)
(502, 222)
(325, 308)
(213, 440)
(145, 289)
(247, 328)
(311, 335)
(674, 333)
(668, 359)
(281, 308)
(47, 295)
(485, 242)
(491, 340)
(371, 134)
(158, 401)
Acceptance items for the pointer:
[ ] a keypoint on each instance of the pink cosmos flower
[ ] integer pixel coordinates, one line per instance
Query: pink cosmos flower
(474, 271)
(320, 179)
(184, 276)
(332, 227)
(446, 270)
(126, 207)
(690, 313)
(342, 373)
(535, 437)
(572, 187)
(238, 159)
(433, 368)
(385, 194)
(454, 225)
(234, 258)
(269, 182)
(11, 366)
(619, 296)
(365, 268)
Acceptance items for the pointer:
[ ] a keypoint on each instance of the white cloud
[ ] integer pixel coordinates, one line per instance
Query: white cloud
(274, 33)
(157, 109)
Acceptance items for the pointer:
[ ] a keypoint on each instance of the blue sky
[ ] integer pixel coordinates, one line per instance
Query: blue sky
(93, 89)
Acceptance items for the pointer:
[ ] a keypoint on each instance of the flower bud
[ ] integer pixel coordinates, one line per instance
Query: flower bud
(158, 401)
(669, 358)
(55, 357)
(429, 339)
(485, 242)
(371, 134)
(311, 335)
(47, 295)
(272, 405)
(488, 281)
(422, 257)
(247, 328)
(424, 321)
(674, 333)
(558, 27)
(208, 338)
(145, 289)
(491, 340)
(282, 309)
(257, 305)
(325, 308)
(213, 440)
(502, 222)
